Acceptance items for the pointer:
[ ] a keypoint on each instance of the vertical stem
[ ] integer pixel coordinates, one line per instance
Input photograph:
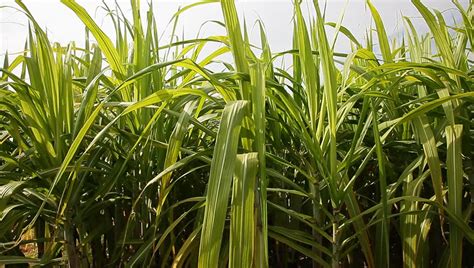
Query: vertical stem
(257, 75)
(40, 234)
(382, 232)
(314, 188)
(71, 250)
(335, 238)
(455, 186)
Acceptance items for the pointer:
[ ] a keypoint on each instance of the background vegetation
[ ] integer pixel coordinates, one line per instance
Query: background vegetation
(130, 152)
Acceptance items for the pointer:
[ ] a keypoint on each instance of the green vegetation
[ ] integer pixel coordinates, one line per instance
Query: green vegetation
(129, 152)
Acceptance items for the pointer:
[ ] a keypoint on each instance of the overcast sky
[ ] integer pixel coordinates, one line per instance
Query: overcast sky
(63, 26)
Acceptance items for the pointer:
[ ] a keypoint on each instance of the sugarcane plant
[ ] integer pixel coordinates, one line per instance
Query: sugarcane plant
(129, 151)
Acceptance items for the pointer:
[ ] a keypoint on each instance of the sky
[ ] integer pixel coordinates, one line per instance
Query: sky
(63, 26)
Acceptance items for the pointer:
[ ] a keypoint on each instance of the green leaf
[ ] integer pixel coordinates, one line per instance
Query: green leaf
(220, 180)
(242, 222)
(103, 40)
(382, 35)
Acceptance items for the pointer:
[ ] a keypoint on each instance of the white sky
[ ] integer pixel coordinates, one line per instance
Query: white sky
(63, 26)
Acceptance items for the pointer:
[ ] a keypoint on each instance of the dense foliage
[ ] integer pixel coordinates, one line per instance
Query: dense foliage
(129, 152)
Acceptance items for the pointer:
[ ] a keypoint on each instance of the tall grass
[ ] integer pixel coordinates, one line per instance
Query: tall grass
(130, 152)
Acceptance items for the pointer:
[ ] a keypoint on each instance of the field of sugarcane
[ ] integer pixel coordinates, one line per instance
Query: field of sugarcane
(131, 152)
